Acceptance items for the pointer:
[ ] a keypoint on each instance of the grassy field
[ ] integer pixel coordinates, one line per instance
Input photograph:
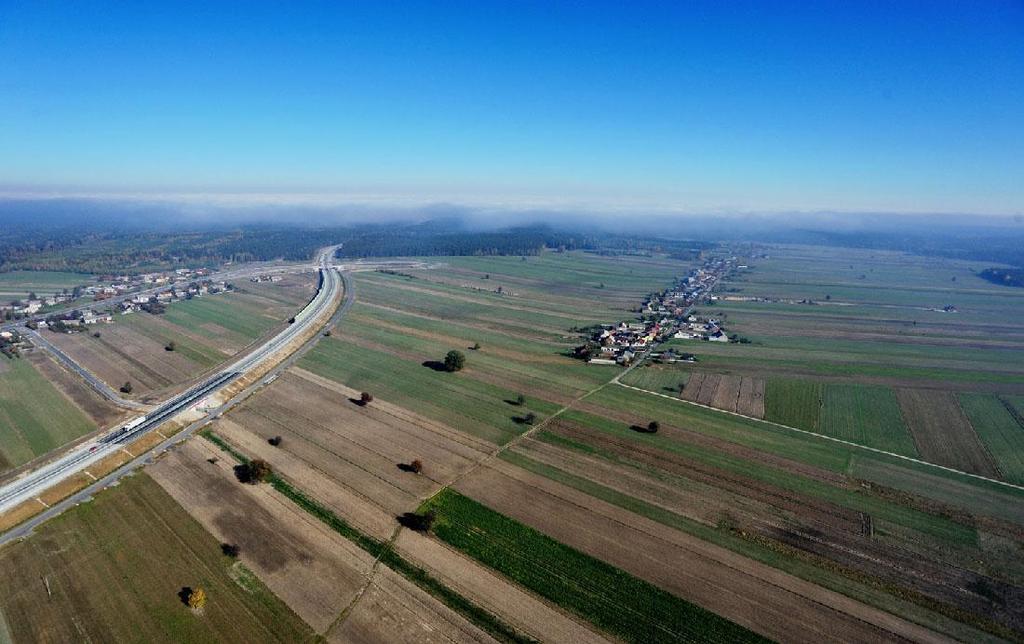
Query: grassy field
(664, 379)
(865, 415)
(34, 417)
(796, 403)
(91, 575)
(18, 284)
(404, 323)
(456, 399)
(1000, 431)
(628, 608)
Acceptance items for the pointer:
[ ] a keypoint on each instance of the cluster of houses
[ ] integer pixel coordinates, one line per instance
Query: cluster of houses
(256, 279)
(9, 343)
(79, 319)
(72, 321)
(115, 285)
(662, 316)
(155, 303)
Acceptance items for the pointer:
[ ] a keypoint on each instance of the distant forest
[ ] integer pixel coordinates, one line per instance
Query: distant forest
(432, 239)
(105, 249)
(1004, 276)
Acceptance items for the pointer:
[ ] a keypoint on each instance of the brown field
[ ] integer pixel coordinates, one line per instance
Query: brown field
(796, 521)
(316, 572)
(90, 575)
(741, 394)
(942, 432)
(394, 610)
(759, 597)
(751, 398)
(99, 409)
(122, 355)
(488, 589)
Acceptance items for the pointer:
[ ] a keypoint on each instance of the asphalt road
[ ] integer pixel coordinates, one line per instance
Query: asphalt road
(32, 484)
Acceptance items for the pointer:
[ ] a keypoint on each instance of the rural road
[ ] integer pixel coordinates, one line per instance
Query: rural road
(76, 460)
(101, 387)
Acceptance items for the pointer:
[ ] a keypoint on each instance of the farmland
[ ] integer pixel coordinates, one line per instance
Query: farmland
(1000, 430)
(86, 571)
(561, 516)
(18, 284)
(205, 332)
(620, 603)
(34, 416)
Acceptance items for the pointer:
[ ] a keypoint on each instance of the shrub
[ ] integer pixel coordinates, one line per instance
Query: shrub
(274, 440)
(416, 466)
(126, 388)
(366, 398)
(197, 598)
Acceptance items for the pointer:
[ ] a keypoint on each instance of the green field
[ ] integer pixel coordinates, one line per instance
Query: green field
(1000, 432)
(240, 318)
(663, 379)
(796, 403)
(457, 399)
(91, 575)
(18, 284)
(34, 417)
(866, 415)
(628, 608)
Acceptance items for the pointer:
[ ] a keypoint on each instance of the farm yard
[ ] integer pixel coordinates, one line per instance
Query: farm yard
(85, 571)
(205, 331)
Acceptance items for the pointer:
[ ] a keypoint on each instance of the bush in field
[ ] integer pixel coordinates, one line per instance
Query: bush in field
(454, 360)
(416, 466)
(520, 400)
(418, 522)
(653, 427)
(197, 598)
(230, 549)
(126, 388)
(255, 471)
(274, 440)
(170, 346)
(365, 398)
(476, 346)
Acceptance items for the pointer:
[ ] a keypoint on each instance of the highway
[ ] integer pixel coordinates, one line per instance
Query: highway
(32, 484)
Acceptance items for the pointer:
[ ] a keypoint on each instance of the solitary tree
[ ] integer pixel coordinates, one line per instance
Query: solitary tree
(274, 440)
(476, 346)
(454, 360)
(96, 334)
(520, 400)
(530, 418)
(365, 398)
(230, 549)
(653, 427)
(416, 466)
(258, 471)
(126, 388)
(170, 346)
(197, 598)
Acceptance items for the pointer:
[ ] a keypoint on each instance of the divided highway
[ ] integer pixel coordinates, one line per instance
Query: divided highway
(34, 483)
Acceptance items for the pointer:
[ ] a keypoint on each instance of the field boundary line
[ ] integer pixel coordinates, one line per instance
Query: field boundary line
(830, 438)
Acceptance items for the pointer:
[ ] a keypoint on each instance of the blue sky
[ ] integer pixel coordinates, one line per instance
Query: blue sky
(762, 106)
